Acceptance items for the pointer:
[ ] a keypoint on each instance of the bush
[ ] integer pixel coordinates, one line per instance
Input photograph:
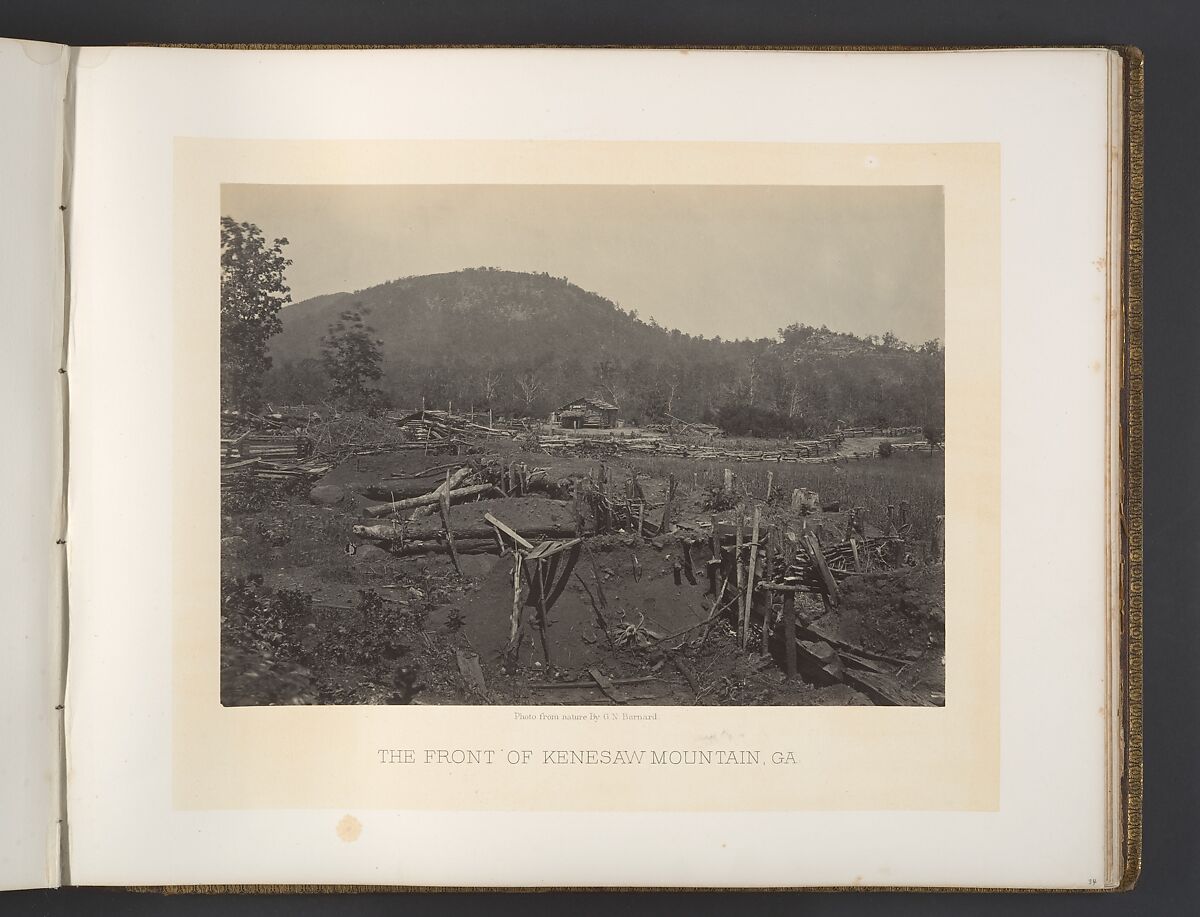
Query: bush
(751, 420)
(885, 449)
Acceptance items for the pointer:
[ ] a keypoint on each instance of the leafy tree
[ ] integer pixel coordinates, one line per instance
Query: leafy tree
(352, 358)
(253, 290)
(296, 382)
(934, 435)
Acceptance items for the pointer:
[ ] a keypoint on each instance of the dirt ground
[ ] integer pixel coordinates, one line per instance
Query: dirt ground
(315, 614)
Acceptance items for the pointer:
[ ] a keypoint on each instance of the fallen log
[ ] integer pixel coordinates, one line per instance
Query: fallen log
(401, 489)
(816, 632)
(462, 545)
(545, 686)
(614, 693)
(385, 509)
(452, 480)
(386, 531)
(884, 690)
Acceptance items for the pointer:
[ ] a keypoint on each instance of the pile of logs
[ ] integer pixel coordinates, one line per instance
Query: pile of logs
(269, 458)
(815, 452)
(265, 445)
(758, 567)
(431, 425)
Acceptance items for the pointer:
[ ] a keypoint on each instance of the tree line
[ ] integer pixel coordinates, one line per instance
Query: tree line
(524, 344)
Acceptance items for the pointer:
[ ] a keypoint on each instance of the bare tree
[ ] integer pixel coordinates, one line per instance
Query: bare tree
(752, 373)
(673, 383)
(490, 385)
(610, 378)
(529, 385)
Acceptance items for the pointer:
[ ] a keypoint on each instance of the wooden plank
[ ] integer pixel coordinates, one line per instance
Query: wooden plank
(471, 672)
(592, 685)
(444, 507)
(550, 548)
(789, 633)
(515, 623)
(539, 572)
(521, 542)
(740, 582)
(766, 606)
(884, 690)
(818, 558)
(818, 633)
(750, 567)
(616, 694)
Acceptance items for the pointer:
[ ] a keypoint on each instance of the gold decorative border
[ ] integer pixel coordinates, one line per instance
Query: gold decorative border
(1130, 479)
(1131, 464)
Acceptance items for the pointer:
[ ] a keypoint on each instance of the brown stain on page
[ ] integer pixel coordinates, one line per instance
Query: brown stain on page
(349, 828)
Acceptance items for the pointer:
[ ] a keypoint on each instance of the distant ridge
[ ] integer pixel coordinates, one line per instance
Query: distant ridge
(533, 341)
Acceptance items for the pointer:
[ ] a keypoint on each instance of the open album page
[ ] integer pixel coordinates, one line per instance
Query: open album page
(575, 468)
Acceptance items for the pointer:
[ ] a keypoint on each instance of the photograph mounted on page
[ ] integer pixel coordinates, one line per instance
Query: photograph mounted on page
(583, 444)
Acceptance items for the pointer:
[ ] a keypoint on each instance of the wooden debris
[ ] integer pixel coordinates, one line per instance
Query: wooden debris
(753, 560)
(885, 690)
(471, 672)
(517, 539)
(614, 693)
(593, 685)
(444, 507)
(452, 481)
(430, 499)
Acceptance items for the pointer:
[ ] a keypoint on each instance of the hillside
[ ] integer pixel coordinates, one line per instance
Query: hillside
(526, 343)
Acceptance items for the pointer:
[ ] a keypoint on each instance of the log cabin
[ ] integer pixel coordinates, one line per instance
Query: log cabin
(587, 412)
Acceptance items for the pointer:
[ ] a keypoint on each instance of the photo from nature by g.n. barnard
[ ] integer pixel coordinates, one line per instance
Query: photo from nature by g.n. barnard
(582, 444)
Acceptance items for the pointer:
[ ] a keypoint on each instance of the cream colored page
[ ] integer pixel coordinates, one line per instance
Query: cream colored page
(1041, 823)
(32, 87)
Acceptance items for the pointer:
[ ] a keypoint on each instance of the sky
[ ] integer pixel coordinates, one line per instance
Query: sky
(730, 260)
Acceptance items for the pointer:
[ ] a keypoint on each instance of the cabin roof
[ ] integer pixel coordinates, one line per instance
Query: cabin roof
(595, 403)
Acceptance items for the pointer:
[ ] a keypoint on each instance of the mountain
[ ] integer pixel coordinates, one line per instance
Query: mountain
(527, 343)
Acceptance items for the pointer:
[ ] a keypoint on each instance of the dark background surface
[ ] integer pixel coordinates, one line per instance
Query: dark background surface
(1167, 33)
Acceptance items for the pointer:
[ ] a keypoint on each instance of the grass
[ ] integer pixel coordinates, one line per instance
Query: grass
(873, 484)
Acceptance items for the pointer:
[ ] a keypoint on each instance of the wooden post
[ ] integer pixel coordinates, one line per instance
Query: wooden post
(689, 568)
(789, 633)
(770, 483)
(444, 506)
(515, 624)
(716, 540)
(577, 507)
(728, 481)
(797, 499)
(741, 582)
(768, 572)
(750, 565)
(641, 516)
(666, 517)
(542, 611)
